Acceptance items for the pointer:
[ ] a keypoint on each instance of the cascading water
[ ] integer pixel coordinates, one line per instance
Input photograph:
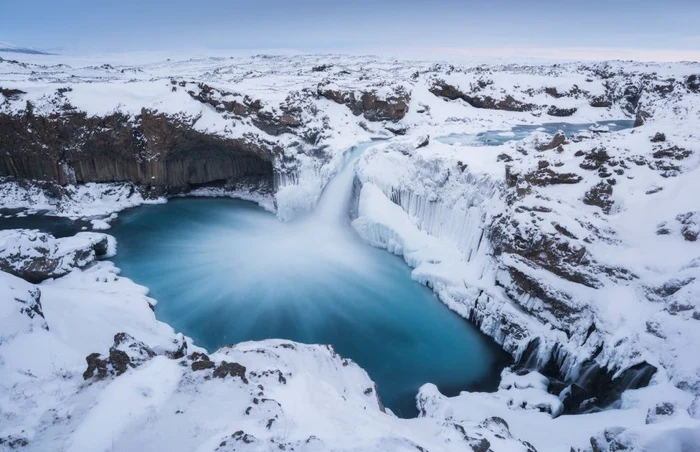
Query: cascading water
(226, 271)
(334, 205)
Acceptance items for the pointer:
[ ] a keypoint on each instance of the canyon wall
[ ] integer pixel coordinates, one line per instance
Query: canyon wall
(151, 149)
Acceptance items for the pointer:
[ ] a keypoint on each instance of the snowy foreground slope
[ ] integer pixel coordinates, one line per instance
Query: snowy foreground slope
(577, 253)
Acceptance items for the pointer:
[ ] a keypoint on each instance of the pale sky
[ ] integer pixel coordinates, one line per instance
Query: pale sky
(639, 29)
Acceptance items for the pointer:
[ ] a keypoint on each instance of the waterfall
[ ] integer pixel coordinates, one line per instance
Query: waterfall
(334, 205)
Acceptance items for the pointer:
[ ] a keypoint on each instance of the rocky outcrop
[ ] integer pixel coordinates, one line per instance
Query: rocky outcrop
(508, 103)
(151, 149)
(600, 195)
(558, 139)
(235, 106)
(658, 138)
(126, 353)
(546, 176)
(10, 93)
(600, 102)
(370, 104)
(35, 256)
(690, 225)
(693, 83)
(226, 369)
(561, 112)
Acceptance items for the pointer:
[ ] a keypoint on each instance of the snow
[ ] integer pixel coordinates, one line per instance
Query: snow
(448, 209)
(126, 401)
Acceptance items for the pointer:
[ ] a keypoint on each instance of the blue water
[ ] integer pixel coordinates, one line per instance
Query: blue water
(57, 226)
(517, 133)
(225, 271)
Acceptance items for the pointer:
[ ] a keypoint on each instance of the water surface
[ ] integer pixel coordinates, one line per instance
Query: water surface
(57, 226)
(225, 271)
(517, 133)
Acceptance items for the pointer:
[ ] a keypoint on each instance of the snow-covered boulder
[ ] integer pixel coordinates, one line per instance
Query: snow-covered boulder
(36, 256)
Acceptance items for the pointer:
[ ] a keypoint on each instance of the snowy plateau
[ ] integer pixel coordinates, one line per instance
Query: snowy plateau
(577, 252)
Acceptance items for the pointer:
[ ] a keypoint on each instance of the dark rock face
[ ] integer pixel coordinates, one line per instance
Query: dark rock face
(200, 361)
(508, 103)
(150, 149)
(594, 159)
(126, 353)
(558, 140)
(227, 369)
(558, 304)
(693, 83)
(666, 160)
(629, 97)
(595, 389)
(9, 93)
(546, 176)
(658, 138)
(561, 112)
(600, 102)
(369, 104)
(554, 253)
(13, 441)
(673, 152)
(599, 195)
(641, 118)
(690, 225)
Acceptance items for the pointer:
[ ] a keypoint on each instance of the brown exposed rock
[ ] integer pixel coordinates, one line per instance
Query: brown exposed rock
(373, 108)
(600, 102)
(552, 252)
(553, 92)
(596, 158)
(126, 353)
(674, 152)
(693, 83)
(558, 303)
(561, 112)
(546, 176)
(321, 68)
(599, 195)
(641, 118)
(658, 138)
(201, 361)
(11, 93)
(508, 103)
(150, 149)
(13, 441)
(690, 225)
(226, 369)
(558, 140)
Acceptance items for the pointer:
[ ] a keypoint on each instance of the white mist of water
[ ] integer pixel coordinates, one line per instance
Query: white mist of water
(306, 247)
(334, 206)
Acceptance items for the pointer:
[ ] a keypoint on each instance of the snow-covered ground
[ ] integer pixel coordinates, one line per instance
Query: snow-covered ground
(579, 254)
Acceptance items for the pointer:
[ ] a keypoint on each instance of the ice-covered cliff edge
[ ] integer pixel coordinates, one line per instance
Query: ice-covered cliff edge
(578, 254)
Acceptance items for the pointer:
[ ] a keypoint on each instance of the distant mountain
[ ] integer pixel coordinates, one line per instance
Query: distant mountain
(11, 48)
